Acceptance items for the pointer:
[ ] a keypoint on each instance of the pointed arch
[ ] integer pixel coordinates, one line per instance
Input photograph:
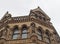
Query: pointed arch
(39, 33)
(16, 32)
(24, 31)
(40, 28)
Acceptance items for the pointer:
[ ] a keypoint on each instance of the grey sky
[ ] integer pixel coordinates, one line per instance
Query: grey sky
(23, 7)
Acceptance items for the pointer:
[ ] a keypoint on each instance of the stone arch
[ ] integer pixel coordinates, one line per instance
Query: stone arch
(16, 26)
(47, 37)
(16, 32)
(39, 27)
(24, 26)
(24, 31)
(40, 33)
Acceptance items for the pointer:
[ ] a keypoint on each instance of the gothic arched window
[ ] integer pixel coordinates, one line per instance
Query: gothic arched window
(47, 39)
(15, 32)
(24, 31)
(39, 33)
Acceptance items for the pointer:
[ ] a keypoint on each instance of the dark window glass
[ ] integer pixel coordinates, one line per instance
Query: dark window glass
(44, 19)
(24, 32)
(39, 34)
(47, 37)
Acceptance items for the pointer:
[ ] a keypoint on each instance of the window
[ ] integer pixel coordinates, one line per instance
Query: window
(47, 37)
(39, 33)
(15, 33)
(24, 32)
(44, 19)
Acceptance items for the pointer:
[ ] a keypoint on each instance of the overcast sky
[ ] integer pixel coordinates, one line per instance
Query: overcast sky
(23, 7)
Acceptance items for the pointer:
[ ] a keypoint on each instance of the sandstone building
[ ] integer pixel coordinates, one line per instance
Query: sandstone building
(35, 28)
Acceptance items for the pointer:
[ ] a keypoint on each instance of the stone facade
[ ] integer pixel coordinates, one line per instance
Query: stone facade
(35, 28)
